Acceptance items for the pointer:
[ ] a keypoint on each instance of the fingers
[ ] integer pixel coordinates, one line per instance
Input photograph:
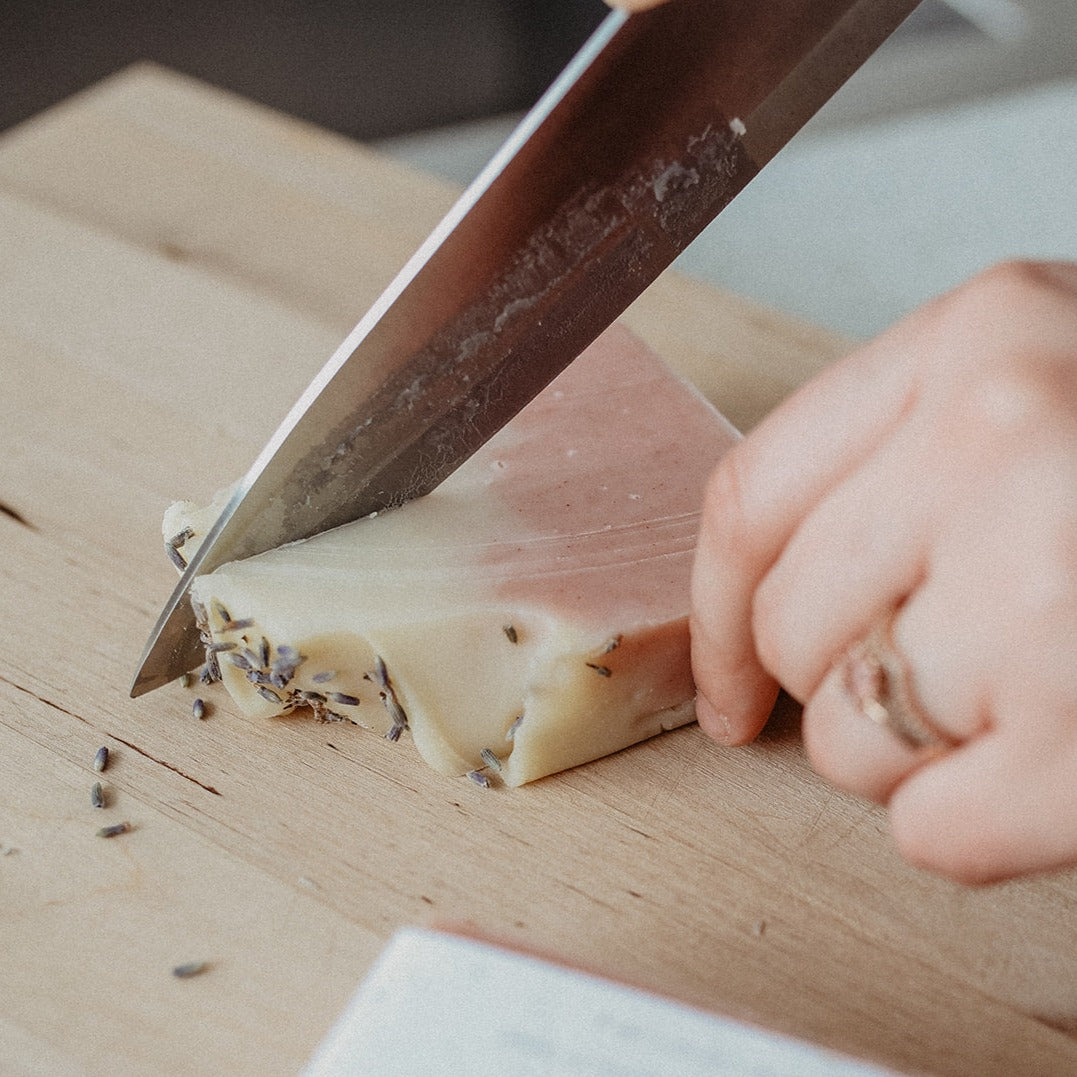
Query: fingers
(766, 490)
(928, 482)
(954, 491)
(997, 802)
(758, 496)
(997, 807)
(993, 641)
(848, 749)
(853, 559)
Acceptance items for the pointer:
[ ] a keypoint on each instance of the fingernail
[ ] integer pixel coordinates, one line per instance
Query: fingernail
(712, 721)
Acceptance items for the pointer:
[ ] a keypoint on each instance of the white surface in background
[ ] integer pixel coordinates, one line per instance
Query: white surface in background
(437, 1005)
(851, 227)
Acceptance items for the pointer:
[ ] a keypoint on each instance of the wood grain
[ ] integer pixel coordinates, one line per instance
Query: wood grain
(175, 265)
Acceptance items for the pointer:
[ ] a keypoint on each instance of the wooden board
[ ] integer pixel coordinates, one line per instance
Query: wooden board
(174, 265)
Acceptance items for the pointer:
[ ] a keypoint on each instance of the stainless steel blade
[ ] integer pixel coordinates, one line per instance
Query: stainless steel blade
(655, 126)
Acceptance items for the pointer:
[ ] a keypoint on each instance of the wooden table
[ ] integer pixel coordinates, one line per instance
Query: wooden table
(174, 265)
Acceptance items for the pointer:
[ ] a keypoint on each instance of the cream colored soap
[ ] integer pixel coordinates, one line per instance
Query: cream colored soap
(535, 605)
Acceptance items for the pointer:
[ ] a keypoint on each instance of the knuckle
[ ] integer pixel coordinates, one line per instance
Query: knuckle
(1014, 285)
(1002, 408)
(1015, 273)
(1021, 414)
(1017, 315)
(1035, 276)
(1012, 281)
(1025, 379)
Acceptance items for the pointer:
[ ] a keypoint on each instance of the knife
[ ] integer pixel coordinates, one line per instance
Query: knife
(654, 127)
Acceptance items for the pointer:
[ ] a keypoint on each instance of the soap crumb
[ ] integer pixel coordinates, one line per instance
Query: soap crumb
(759, 928)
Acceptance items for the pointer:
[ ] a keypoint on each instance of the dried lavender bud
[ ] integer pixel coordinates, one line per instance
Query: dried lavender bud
(381, 674)
(343, 699)
(191, 968)
(113, 830)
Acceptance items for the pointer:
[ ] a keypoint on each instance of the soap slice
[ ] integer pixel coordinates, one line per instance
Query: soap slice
(529, 615)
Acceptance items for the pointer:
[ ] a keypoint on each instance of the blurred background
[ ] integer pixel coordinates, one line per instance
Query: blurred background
(367, 68)
(954, 147)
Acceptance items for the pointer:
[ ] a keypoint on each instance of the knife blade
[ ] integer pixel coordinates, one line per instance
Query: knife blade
(652, 129)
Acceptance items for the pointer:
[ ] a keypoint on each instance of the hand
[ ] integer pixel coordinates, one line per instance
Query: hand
(926, 486)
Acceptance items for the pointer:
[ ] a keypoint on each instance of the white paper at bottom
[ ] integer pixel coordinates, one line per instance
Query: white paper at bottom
(438, 1004)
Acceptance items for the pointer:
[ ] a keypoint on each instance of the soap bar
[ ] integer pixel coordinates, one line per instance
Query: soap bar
(529, 615)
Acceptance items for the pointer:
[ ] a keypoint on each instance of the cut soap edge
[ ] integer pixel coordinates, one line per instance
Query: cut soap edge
(494, 648)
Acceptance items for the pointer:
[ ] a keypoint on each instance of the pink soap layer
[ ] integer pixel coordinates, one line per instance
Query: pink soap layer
(598, 485)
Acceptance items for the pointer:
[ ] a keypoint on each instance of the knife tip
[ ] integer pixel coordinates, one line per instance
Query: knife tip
(174, 648)
(143, 684)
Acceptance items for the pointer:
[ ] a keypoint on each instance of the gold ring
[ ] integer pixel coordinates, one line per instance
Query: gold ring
(878, 679)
